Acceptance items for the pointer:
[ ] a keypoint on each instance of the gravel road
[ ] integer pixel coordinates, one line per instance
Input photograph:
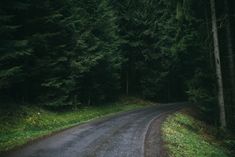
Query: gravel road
(131, 134)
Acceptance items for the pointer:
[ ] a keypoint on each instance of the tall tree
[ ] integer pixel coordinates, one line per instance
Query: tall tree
(97, 61)
(218, 65)
(15, 52)
(230, 50)
(52, 38)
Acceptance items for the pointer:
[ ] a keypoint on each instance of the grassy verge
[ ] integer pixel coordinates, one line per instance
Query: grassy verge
(187, 137)
(27, 123)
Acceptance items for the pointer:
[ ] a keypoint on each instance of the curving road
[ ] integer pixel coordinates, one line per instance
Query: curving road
(131, 134)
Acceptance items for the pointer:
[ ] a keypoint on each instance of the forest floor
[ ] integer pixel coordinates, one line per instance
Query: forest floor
(187, 136)
(21, 125)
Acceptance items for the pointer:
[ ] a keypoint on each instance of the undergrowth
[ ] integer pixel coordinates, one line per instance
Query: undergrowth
(28, 123)
(186, 136)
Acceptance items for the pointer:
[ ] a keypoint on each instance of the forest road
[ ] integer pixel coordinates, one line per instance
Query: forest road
(131, 134)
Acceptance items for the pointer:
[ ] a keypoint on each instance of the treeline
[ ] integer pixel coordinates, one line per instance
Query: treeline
(69, 52)
(58, 52)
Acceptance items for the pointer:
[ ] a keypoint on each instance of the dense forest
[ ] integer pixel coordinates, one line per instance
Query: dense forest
(84, 52)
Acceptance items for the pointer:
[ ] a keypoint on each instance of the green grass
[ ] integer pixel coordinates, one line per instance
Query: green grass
(187, 137)
(27, 123)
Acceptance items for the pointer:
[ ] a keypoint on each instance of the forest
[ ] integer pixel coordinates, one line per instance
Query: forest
(72, 52)
(67, 53)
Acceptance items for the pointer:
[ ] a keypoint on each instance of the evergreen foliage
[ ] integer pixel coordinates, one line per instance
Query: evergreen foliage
(69, 52)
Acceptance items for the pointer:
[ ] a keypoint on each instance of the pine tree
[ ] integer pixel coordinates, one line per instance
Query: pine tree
(96, 62)
(53, 42)
(15, 53)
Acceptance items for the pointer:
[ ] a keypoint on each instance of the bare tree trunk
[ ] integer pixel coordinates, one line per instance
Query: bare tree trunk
(127, 83)
(230, 51)
(218, 66)
(89, 100)
(208, 28)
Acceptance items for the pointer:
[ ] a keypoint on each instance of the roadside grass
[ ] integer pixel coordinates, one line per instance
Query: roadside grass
(186, 136)
(29, 123)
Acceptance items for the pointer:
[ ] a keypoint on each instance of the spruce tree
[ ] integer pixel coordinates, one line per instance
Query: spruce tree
(15, 52)
(97, 60)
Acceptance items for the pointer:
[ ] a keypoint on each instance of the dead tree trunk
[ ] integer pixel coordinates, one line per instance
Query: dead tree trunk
(218, 66)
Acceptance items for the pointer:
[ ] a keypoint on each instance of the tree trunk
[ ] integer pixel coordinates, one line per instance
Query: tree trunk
(89, 100)
(208, 29)
(218, 66)
(230, 51)
(127, 83)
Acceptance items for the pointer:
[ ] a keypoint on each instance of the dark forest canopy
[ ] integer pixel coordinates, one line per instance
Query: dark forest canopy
(69, 52)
